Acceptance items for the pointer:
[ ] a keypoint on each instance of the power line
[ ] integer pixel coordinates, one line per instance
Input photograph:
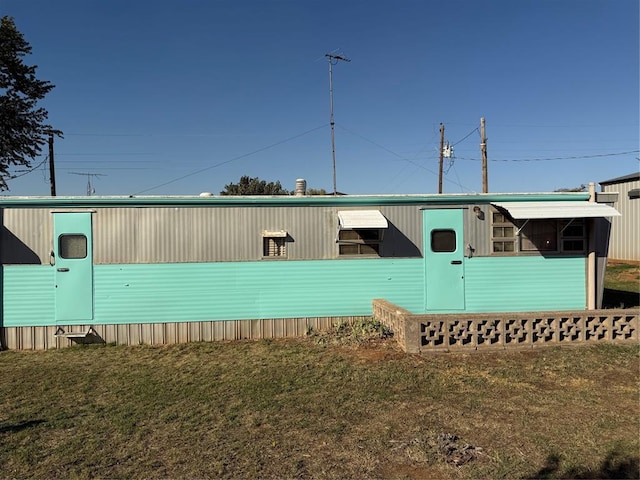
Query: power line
(27, 172)
(575, 157)
(239, 157)
(465, 137)
(102, 154)
(399, 156)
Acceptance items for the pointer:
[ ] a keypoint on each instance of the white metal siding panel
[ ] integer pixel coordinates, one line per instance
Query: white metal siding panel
(625, 230)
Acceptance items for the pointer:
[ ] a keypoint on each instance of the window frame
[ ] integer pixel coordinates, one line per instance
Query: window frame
(274, 244)
(374, 243)
(433, 241)
(62, 251)
(533, 233)
(503, 220)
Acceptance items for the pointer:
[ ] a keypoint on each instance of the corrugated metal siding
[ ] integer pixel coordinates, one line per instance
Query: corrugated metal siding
(625, 239)
(28, 295)
(185, 292)
(234, 291)
(511, 284)
(26, 236)
(477, 231)
(42, 338)
(203, 234)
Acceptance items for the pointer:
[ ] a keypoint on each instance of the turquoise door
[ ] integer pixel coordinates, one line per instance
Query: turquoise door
(73, 264)
(444, 259)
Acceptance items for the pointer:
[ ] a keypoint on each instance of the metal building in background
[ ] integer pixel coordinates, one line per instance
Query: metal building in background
(625, 230)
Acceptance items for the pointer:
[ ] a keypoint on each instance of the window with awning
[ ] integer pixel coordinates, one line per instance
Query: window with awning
(357, 219)
(565, 209)
(543, 227)
(274, 243)
(361, 232)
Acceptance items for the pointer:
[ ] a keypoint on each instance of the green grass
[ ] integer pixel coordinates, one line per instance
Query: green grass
(622, 286)
(318, 409)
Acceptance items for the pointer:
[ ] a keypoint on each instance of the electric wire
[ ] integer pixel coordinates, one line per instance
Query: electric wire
(393, 185)
(27, 172)
(239, 157)
(400, 156)
(575, 157)
(466, 136)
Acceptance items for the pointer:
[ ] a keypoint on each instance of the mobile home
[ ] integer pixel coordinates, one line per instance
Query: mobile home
(170, 269)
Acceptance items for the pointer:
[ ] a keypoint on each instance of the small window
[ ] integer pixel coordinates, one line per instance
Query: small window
(574, 236)
(274, 246)
(540, 236)
(503, 234)
(274, 243)
(443, 240)
(537, 235)
(72, 246)
(360, 242)
(503, 247)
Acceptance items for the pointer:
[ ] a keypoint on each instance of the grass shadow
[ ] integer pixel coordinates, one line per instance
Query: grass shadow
(620, 298)
(20, 426)
(614, 466)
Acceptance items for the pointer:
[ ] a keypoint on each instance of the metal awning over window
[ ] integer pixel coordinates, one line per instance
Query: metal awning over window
(274, 233)
(535, 210)
(355, 219)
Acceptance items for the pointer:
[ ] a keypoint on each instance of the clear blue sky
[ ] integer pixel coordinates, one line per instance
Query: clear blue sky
(181, 97)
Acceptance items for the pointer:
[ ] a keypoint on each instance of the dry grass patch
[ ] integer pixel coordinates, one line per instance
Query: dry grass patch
(303, 409)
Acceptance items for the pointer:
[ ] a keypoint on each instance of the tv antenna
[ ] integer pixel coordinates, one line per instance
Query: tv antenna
(90, 189)
(333, 60)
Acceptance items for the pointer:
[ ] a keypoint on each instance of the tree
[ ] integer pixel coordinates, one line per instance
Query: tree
(316, 191)
(253, 186)
(23, 130)
(581, 188)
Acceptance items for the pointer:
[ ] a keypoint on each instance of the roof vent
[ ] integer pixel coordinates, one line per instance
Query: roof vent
(206, 194)
(301, 187)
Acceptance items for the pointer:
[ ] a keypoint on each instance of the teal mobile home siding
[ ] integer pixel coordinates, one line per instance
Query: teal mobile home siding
(528, 283)
(150, 293)
(28, 295)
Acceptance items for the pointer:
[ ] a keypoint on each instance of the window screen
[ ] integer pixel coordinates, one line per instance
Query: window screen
(274, 247)
(539, 235)
(443, 240)
(360, 242)
(72, 246)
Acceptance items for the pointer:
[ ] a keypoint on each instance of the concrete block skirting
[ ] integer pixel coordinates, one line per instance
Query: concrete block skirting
(499, 331)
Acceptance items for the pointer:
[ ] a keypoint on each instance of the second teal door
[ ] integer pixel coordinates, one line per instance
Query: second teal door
(444, 259)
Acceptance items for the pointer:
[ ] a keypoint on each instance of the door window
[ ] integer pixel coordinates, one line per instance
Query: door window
(443, 240)
(72, 246)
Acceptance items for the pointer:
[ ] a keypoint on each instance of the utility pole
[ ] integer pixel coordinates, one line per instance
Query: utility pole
(483, 150)
(333, 59)
(52, 170)
(90, 189)
(441, 158)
